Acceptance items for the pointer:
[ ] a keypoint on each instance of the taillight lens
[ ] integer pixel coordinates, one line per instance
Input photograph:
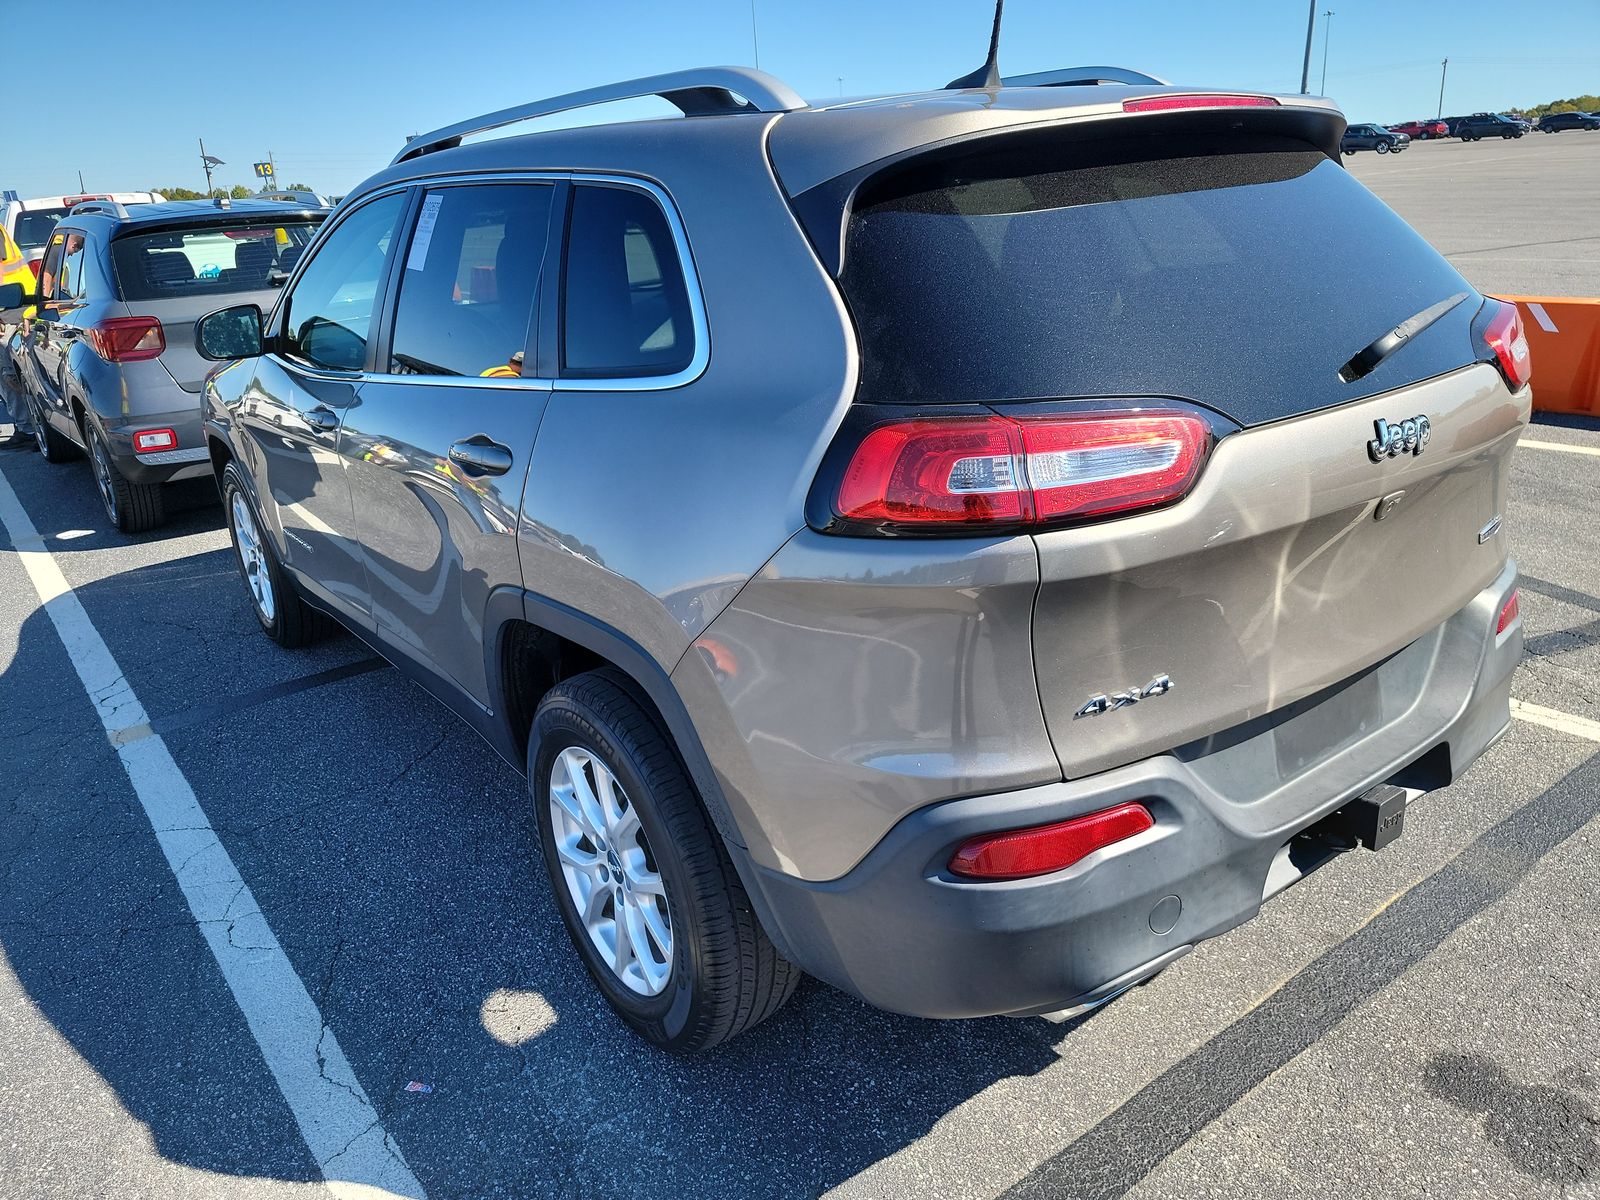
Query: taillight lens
(33, 265)
(1029, 471)
(1209, 100)
(150, 441)
(127, 339)
(1509, 341)
(1509, 613)
(1023, 853)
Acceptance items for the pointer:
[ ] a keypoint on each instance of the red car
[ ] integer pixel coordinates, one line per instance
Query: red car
(1422, 130)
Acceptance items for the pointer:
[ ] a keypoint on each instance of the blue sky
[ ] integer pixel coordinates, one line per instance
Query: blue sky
(332, 90)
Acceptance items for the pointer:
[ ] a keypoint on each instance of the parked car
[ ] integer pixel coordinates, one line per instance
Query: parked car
(1373, 137)
(710, 470)
(108, 365)
(1421, 130)
(1556, 122)
(29, 222)
(1481, 125)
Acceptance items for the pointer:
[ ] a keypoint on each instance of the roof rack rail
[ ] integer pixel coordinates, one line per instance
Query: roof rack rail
(696, 92)
(1082, 77)
(111, 208)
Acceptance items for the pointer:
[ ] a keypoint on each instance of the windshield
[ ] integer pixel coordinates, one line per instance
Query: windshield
(34, 226)
(210, 259)
(1241, 278)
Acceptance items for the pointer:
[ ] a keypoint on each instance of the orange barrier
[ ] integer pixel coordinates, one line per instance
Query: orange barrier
(1564, 342)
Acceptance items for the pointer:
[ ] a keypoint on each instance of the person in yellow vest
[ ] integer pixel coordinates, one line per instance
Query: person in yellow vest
(13, 269)
(511, 369)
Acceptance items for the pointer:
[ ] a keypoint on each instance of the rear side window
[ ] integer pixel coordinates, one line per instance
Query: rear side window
(34, 226)
(470, 281)
(1240, 274)
(328, 315)
(242, 257)
(625, 304)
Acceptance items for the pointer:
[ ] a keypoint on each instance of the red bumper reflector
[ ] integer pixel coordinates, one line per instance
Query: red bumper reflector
(1509, 613)
(1022, 853)
(1169, 103)
(149, 441)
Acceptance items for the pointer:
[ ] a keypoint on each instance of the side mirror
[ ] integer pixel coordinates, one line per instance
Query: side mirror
(229, 333)
(13, 299)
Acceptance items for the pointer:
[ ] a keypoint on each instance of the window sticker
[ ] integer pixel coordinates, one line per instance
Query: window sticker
(424, 238)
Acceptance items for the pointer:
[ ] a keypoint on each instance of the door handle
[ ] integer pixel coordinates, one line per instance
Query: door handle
(321, 418)
(480, 456)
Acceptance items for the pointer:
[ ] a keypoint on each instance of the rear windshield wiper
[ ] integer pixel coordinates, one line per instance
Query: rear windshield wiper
(1366, 360)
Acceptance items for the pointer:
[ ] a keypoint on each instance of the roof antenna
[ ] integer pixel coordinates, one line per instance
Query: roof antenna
(988, 75)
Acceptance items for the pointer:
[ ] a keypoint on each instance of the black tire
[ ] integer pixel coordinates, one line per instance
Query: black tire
(291, 622)
(132, 507)
(725, 974)
(54, 446)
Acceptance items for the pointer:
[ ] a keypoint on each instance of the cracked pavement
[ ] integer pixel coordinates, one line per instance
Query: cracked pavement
(392, 856)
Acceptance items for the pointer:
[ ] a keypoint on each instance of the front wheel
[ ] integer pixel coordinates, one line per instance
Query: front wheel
(1382, 147)
(132, 507)
(284, 616)
(643, 881)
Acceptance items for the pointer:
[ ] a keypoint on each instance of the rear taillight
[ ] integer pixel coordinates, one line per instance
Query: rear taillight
(1022, 853)
(1509, 612)
(1509, 341)
(981, 473)
(1209, 100)
(127, 339)
(33, 265)
(151, 441)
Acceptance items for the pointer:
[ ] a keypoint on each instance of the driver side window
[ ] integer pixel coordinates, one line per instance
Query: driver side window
(328, 317)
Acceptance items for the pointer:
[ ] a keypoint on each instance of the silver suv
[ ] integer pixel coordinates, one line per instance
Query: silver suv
(969, 546)
(107, 362)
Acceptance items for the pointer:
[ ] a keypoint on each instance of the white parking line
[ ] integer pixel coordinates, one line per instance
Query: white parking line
(1533, 445)
(341, 1128)
(1552, 718)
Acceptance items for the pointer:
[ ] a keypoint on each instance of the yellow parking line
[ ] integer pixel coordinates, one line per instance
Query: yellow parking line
(1551, 718)
(1532, 445)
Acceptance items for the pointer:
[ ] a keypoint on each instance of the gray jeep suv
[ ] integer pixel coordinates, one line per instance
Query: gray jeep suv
(107, 360)
(968, 546)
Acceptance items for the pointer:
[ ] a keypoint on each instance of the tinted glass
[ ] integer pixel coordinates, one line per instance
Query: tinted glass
(625, 305)
(246, 256)
(1242, 279)
(34, 226)
(328, 316)
(470, 280)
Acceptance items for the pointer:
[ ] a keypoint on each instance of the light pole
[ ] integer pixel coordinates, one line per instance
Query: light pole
(755, 36)
(208, 161)
(1305, 67)
(1444, 69)
(1327, 32)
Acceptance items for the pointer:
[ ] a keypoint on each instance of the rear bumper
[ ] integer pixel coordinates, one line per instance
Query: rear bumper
(191, 458)
(903, 933)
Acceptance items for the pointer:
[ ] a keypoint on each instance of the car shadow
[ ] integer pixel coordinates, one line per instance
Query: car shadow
(393, 855)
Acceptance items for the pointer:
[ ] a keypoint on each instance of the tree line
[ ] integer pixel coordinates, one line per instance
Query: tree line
(237, 192)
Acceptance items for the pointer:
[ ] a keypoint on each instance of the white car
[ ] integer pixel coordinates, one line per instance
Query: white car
(29, 222)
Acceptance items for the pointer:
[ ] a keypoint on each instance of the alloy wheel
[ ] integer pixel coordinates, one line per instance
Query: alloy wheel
(252, 557)
(100, 457)
(610, 872)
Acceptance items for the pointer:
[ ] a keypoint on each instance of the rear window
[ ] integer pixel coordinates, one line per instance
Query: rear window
(1241, 276)
(244, 257)
(34, 226)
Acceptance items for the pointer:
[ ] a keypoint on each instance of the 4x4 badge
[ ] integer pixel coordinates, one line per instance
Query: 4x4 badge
(1159, 686)
(1399, 437)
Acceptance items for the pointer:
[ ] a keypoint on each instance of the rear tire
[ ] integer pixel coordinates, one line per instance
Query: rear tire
(132, 507)
(284, 616)
(632, 856)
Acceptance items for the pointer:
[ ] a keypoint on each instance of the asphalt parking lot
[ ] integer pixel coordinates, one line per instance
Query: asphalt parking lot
(1416, 1022)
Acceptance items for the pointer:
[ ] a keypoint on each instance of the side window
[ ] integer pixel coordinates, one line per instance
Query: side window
(50, 268)
(625, 306)
(470, 280)
(69, 286)
(328, 316)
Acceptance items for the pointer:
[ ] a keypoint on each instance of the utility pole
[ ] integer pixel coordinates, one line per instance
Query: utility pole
(1444, 69)
(755, 37)
(1327, 32)
(208, 161)
(81, 188)
(1305, 70)
(272, 171)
